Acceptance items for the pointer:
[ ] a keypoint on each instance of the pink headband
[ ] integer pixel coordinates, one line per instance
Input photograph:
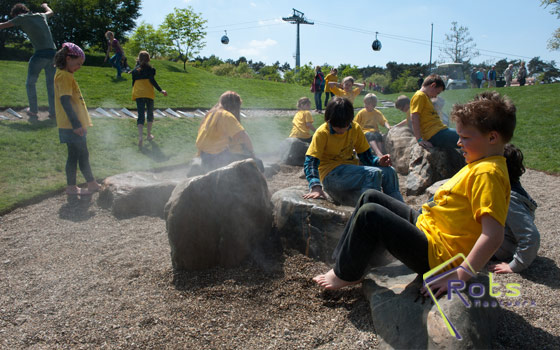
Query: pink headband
(74, 50)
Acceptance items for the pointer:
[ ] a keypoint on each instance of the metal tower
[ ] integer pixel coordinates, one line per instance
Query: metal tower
(297, 18)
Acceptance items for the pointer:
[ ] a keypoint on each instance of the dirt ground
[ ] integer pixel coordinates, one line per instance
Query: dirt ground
(74, 277)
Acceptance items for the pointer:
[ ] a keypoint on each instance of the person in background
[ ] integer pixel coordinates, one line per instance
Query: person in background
(522, 74)
(319, 87)
(143, 84)
(508, 74)
(36, 27)
(72, 118)
(347, 88)
(303, 121)
(331, 77)
(221, 138)
(522, 238)
(492, 77)
(370, 119)
(480, 77)
(403, 104)
(116, 59)
(474, 79)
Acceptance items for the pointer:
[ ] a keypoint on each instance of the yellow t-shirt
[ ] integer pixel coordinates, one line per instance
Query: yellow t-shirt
(370, 121)
(216, 132)
(451, 221)
(300, 129)
(333, 150)
(430, 123)
(66, 85)
(342, 93)
(143, 89)
(330, 77)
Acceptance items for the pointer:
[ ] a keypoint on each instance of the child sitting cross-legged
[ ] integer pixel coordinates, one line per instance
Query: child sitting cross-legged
(467, 214)
(330, 159)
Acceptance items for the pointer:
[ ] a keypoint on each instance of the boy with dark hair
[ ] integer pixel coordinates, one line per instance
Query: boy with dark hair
(37, 29)
(522, 238)
(330, 159)
(467, 214)
(427, 126)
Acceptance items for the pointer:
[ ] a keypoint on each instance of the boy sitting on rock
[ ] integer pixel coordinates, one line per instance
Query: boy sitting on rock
(330, 159)
(370, 119)
(467, 214)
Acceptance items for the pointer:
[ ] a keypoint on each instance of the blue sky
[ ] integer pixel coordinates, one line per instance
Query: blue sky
(343, 31)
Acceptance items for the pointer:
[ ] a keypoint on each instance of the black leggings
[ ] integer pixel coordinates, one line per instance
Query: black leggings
(77, 154)
(380, 222)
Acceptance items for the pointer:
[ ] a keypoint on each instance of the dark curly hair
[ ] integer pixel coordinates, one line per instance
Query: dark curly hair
(488, 111)
(514, 161)
(18, 9)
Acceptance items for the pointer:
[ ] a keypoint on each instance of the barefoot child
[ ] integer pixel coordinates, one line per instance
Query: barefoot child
(303, 121)
(370, 118)
(143, 83)
(72, 117)
(467, 214)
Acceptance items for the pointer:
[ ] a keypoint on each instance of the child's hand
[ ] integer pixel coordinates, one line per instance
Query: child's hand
(500, 268)
(385, 160)
(79, 131)
(164, 92)
(315, 193)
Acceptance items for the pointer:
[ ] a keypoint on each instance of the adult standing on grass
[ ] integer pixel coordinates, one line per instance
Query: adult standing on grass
(492, 77)
(37, 29)
(115, 60)
(522, 74)
(318, 88)
(508, 74)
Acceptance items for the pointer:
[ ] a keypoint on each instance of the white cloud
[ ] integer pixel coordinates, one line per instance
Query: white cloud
(255, 48)
(253, 4)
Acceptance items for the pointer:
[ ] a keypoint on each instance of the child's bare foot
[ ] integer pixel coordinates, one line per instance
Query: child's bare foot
(73, 190)
(330, 281)
(150, 137)
(93, 186)
(140, 144)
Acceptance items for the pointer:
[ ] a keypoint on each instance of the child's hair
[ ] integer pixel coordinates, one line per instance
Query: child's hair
(317, 68)
(231, 102)
(488, 111)
(335, 70)
(18, 9)
(67, 50)
(434, 78)
(370, 98)
(339, 112)
(402, 101)
(514, 161)
(303, 101)
(144, 59)
(109, 33)
(348, 78)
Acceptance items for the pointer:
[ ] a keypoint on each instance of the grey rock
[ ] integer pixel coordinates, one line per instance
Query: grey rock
(139, 193)
(293, 151)
(312, 227)
(403, 323)
(431, 191)
(217, 219)
(398, 143)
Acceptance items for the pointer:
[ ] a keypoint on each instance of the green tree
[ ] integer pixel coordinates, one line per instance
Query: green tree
(554, 41)
(460, 46)
(11, 35)
(185, 29)
(145, 37)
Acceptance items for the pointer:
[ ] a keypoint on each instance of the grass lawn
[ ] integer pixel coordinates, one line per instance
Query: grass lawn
(32, 160)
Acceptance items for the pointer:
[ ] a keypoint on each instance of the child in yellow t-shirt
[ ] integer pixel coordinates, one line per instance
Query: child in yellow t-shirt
(347, 89)
(143, 84)
(370, 120)
(467, 214)
(427, 126)
(303, 121)
(330, 159)
(72, 118)
(331, 77)
(221, 138)
(403, 104)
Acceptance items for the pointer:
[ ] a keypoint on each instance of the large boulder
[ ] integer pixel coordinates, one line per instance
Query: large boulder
(139, 192)
(311, 226)
(403, 320)
(293, 151)
(398, 143)
(219, 218)
(429, 166)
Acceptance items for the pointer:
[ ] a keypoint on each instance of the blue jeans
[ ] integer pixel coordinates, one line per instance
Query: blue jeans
(145, 105)
(446, 138)
(327, 96)
(116, 62)
(42, 59)
(318, 105)
(347, 182)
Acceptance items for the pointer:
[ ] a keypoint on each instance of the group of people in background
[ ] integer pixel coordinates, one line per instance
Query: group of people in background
(479, 77)
(345, 159)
